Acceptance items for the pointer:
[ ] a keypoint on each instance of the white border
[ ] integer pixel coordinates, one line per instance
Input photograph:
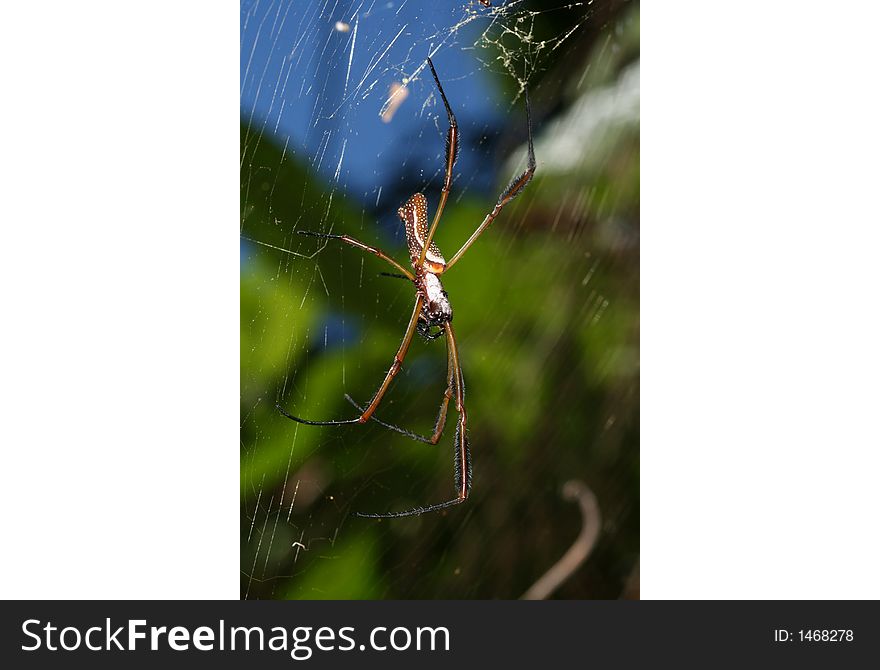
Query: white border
(120, 285)
(760, 332)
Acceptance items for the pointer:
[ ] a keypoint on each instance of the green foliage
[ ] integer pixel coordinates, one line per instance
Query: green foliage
(349, 573)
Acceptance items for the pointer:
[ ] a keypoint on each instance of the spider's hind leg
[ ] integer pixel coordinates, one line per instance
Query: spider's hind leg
(390, 426)
(462, 453)
(380, 393)
(439, 424)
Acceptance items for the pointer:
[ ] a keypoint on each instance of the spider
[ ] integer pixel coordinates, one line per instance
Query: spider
(432, 308)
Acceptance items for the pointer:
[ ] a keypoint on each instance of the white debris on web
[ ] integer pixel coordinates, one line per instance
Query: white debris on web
(397, 93)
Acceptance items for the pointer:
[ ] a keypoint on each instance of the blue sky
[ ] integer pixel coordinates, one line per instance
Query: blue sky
(320, 89)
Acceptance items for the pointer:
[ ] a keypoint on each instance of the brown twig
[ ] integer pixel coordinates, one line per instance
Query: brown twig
(578, 552)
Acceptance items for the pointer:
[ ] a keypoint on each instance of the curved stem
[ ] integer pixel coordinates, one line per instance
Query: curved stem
(579, 551)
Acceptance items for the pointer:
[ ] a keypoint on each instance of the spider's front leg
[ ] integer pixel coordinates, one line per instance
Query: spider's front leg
(513, 189)
(360, 245)
(451, 155)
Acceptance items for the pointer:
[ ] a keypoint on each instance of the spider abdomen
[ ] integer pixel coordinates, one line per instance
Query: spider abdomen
(414, 215)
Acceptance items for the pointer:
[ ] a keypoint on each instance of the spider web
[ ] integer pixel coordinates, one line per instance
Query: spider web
(341, 123)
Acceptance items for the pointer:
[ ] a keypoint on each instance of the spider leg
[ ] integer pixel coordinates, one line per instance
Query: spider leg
(439, 424)
(377, 397)
(451, 155)
(360, 245)
(513, 189)
(463, 470)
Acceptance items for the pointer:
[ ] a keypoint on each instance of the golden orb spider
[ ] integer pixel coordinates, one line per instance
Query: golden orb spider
(432, 308)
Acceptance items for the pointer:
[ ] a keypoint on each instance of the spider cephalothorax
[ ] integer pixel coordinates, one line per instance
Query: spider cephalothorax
(432, 308)
(436, 308)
